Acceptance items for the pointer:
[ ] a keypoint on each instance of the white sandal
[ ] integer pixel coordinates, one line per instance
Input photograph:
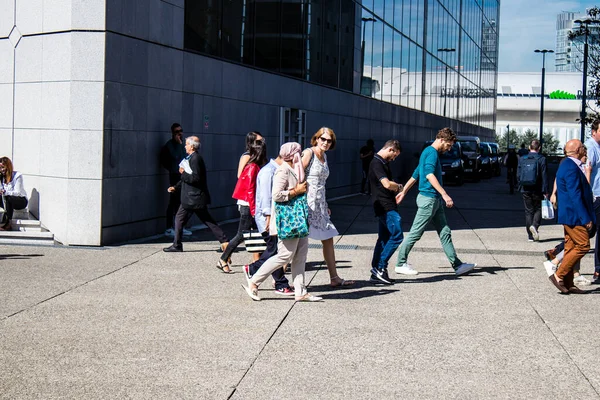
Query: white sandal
(309, 297)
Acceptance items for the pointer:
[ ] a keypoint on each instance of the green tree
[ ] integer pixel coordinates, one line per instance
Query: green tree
(549, 145)
(527, 136)
(503, 141)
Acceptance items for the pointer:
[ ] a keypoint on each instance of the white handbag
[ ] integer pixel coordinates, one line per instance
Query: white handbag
(547, 209)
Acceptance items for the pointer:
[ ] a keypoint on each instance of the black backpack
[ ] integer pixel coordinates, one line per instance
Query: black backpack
(528, 175)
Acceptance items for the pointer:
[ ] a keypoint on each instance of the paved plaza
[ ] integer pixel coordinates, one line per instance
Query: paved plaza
(133, 322)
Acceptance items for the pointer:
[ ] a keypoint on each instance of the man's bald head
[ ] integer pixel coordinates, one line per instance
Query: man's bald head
(573, 148)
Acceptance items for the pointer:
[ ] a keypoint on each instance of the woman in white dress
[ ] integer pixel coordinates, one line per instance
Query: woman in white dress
(321, 228)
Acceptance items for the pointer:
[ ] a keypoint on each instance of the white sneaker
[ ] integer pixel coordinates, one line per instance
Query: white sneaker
(464, 268)
(406, 269)
(550, 267)
(252, 293)
(186, 232)
(534, 233)
(581, 281)
(170, 232)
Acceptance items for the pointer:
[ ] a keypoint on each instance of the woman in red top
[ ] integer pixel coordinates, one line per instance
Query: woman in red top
(245, 193)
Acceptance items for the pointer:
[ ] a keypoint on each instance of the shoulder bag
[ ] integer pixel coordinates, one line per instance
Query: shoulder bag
(291, 218)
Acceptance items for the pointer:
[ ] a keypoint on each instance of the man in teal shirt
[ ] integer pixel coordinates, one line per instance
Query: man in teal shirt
(430, 208)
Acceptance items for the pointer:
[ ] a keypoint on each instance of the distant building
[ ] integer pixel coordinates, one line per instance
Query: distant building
(569, 53)
(489, 46)
(518, 102)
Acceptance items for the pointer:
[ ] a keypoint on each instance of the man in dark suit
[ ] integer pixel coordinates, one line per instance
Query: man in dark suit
(194, 196)
(171, 155)
(575, 212)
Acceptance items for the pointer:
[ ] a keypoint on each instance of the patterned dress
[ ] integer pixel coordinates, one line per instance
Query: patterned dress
(320, 226)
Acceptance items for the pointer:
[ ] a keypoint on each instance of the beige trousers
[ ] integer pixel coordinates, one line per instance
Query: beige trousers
(289, 250)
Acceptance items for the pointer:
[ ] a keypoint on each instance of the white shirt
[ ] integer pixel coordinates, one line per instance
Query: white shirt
(578, 162)
(15, 186)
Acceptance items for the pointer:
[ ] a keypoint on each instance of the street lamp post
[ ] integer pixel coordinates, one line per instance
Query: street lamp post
(445, 50)
(584, 24)
(362, 52)
(507, 136)
(544, 51)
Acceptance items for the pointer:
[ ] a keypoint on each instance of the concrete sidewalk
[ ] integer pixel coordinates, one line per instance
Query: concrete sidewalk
(133, 322)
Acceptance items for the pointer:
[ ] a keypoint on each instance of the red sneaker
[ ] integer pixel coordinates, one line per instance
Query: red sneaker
(284, 291)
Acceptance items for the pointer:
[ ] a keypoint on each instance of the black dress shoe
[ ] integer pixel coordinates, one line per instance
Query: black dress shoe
(173, 249)
(576, 290)
(559, 284)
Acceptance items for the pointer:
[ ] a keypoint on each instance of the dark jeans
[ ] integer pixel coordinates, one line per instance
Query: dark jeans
(596, 250)
(246, 222)
(365, 180)
(174, 201)
(558, 248)
(12, 203)
(533, 211)
(281, 282)
(511, 176)
(184, 215)
(389, 238)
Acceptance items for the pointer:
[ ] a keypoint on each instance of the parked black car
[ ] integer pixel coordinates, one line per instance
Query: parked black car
(496, 159)
(486, 159)
(471, 156)
(452, 164)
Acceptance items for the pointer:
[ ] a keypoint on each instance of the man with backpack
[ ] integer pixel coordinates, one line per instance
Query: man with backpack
(533, 180)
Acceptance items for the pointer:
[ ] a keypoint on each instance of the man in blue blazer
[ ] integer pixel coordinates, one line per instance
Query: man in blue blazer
(575, 212)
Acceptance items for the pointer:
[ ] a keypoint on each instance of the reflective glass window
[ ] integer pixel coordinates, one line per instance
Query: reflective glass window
(378, 56)
(385, 49)
(387, 63)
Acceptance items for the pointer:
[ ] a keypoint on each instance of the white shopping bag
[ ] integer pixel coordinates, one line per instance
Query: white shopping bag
(547, 209)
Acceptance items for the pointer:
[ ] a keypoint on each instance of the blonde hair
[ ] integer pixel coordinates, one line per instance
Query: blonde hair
(321, 132)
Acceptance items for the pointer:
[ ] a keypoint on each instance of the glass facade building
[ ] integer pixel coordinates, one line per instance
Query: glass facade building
(569, 52)
(437, 56)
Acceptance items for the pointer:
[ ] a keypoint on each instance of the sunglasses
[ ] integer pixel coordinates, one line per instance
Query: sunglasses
(178, 130)
(326, 140)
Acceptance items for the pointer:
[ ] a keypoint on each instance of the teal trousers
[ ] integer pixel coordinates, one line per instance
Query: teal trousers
(430, 209)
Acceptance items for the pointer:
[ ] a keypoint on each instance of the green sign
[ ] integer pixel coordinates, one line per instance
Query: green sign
(561, 95)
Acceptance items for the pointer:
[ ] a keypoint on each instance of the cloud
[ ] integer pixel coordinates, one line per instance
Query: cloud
(529, 25)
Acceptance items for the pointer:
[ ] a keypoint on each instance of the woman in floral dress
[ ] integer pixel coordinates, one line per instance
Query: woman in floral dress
(314, 161)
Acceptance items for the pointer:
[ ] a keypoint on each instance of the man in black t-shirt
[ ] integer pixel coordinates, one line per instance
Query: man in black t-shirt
(383, 192)
(366, 155)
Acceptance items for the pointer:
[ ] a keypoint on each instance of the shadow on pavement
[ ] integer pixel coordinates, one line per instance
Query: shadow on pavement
(352, 292)
(19, 256)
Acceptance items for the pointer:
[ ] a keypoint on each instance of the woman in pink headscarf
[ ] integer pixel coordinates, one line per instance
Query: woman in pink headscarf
(288, 183)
